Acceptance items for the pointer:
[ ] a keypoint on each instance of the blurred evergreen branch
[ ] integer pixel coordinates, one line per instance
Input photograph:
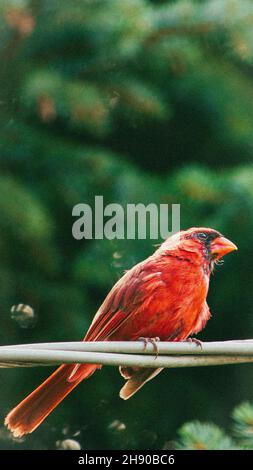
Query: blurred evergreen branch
(208, 436)
(73, 61)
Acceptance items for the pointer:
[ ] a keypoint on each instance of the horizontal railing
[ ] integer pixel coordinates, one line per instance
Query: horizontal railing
(128, 353)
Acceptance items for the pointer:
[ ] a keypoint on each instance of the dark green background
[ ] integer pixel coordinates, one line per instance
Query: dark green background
(138, 101)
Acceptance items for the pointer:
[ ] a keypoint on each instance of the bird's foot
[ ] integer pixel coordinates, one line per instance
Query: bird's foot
(153, 341)
(195, 341)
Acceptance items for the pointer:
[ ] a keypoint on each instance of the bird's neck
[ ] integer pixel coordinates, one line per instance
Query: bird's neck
(197, 258)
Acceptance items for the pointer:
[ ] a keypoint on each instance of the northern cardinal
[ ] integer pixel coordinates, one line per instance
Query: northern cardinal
(163, 296)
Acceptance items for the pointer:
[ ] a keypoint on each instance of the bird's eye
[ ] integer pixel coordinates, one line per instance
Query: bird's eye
(202, 236)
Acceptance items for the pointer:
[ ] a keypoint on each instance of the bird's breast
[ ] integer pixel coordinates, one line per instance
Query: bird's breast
(173, 309)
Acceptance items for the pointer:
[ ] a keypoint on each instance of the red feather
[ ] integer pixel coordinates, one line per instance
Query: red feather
(163, 296)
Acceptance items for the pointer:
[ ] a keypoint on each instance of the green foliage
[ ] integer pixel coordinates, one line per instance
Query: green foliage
(243, 427)
(198, 436)
(207, 436)
(138, 101)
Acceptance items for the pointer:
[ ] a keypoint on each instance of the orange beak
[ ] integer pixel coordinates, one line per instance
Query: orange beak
(222, 246)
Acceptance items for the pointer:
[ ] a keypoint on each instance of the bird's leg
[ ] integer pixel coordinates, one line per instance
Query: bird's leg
(153, 341)
(195, 341)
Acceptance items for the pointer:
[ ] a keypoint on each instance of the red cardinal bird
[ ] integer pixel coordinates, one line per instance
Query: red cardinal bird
(163, 296)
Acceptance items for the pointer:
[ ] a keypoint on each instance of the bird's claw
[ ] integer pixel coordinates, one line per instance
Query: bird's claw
(153, 341)
(195, 341)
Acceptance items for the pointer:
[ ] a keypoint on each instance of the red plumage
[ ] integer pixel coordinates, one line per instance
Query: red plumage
(163, 296)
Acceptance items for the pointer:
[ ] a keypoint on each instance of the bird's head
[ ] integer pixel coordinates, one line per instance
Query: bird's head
(200, 243)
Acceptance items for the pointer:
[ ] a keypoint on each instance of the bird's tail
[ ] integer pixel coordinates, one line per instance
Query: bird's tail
(30, 413)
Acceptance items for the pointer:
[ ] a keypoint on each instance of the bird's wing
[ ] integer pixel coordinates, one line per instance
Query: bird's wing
(122, 302)
(134, 288)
